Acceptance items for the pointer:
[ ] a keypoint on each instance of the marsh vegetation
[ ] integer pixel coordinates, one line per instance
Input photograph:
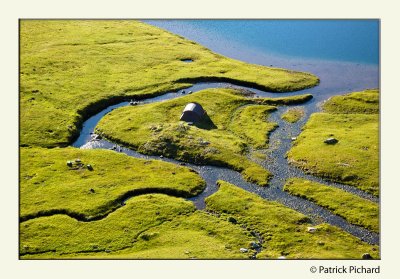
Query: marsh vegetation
(79, 203)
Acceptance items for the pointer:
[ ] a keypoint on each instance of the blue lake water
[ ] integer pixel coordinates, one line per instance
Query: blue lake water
(337, 40)
(344, 54)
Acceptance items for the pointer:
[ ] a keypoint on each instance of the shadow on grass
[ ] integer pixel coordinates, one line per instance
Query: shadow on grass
(205, 123)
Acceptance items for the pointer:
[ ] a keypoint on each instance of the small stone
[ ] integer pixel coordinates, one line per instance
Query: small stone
(107, 251)
(366, 256)
(91, 190)
(161, 156)
(89, 167)
(331, 141)
(187, 252)
(190, 92)
(96, 137)
(69, 163)
(311, 229)
(244, 250)
(281, 258)
(77, 160)
(232, 220)
(293, 138)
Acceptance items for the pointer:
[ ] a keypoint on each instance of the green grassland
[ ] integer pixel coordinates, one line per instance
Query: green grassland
(284, 230)
(149, 226)
(218, 140)
(70, 69)
(250, 123)
(292, 115)
(354, 209)
(49, 186)
(354, 160)
(364, 102)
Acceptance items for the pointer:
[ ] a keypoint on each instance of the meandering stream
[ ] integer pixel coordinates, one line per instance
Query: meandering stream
(275, 162)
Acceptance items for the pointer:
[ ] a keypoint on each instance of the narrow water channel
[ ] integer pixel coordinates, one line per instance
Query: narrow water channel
(275, 162)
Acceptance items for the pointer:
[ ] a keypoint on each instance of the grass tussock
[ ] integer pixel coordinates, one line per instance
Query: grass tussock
(292, 115)
(151, 226)
(49, 186)
(284, 231)
(354, 160)
(250, 123)
(363, 102)
(354, 209)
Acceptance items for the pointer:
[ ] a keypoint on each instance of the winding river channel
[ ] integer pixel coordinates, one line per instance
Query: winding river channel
(275, 162)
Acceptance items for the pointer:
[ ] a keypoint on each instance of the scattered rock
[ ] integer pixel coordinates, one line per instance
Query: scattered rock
(244, 250)
(78, 160)
(366, 256)
(183, 92)
(161, 156)
(293, 138)
(69, 163)
(89, 167)
(281, 258)
(190, 92)
(92, 190)
(96, 137)
(311, 229)
(331, 141)
(187, 252)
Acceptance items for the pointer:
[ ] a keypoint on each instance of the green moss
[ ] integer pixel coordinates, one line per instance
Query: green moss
(251, 123)
(354, 209)
(292, 100)
(70, 69)
(354, 160)
(156, 129)
(293, 115)
(284, 230)
(149, 226)
(48, 185)
(365, 102)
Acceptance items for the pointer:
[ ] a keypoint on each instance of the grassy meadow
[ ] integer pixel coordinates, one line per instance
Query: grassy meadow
(79, 203)
(283, 230)
(70, 69)
(149, 226)
(354, 209)
(157, 226)
(222, 138)
(48, 186)
(354, 160)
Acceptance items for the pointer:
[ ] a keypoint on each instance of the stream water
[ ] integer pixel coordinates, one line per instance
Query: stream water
(280, 142)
